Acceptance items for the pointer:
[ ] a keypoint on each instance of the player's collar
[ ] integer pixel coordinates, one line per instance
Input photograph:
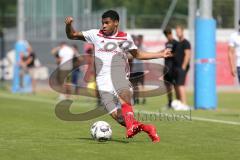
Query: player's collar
(115, 35)
(112, 36)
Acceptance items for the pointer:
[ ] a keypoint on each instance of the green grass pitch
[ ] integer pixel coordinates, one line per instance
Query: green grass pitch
(29, 130)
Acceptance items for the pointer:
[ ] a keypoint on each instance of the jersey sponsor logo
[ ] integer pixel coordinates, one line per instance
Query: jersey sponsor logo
(111, 47)
(108, 51)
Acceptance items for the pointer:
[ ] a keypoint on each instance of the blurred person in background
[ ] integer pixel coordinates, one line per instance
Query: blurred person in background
(55, 53)
(137, 70)
(76, 72)
(169, 78)
(27, 66)
(64, 55)
(182, 63)
(234, 53)
(90, 76)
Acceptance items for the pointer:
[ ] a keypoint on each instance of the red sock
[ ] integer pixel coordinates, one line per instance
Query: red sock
(128, 115)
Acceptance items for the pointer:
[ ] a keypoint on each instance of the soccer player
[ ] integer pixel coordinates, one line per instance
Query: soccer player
(169, 64)
(234, 54)
(112, 69)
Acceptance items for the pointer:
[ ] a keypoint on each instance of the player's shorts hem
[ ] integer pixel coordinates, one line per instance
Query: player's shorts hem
(115, 109)
(180, 76)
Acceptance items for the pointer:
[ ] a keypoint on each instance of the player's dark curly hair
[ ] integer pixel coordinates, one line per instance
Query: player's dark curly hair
(111, 14)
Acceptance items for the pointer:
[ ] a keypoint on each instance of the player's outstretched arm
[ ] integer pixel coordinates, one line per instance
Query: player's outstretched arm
(231, 59)
(71, 32)
(147, 55)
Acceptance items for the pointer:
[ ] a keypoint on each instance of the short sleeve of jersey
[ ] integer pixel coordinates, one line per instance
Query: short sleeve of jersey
(131, 42)
(90, 35)
(232, 40)
(187, 45)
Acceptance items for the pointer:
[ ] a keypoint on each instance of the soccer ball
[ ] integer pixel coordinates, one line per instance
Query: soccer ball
(101, 131)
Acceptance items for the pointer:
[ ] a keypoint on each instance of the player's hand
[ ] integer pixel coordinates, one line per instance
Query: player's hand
(166, 53)
(68, 20)
(233, 72)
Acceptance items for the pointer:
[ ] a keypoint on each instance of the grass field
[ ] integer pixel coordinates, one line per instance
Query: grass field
(29, 130)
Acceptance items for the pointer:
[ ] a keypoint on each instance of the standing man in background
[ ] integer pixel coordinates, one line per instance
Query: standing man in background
(182, 63)
(137, 69)
(27, 64)
(169, 78)
(76, 70)
(234, 54)
(64, 55)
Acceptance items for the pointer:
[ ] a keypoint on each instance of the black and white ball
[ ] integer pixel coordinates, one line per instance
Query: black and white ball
(101, 131)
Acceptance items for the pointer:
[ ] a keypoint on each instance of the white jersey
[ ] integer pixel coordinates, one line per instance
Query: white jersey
(66, 53)
(110, 54)
(234, 41)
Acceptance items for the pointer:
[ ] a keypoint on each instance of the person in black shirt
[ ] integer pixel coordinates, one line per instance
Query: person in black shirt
(27, 64)
(181, 62)
(169, 65)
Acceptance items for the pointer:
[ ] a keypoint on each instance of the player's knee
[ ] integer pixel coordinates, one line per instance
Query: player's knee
(125, 97)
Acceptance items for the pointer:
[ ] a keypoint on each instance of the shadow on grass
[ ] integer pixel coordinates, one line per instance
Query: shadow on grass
(124, 141)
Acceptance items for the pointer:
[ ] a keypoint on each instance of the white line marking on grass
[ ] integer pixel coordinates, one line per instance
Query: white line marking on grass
(196, 118)
(215, 120)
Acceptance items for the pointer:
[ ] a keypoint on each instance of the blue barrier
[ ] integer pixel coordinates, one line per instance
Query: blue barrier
(205, 96)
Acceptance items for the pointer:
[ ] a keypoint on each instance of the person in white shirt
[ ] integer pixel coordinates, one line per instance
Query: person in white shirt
(234, 54)
(64, 56)
(112, 69)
